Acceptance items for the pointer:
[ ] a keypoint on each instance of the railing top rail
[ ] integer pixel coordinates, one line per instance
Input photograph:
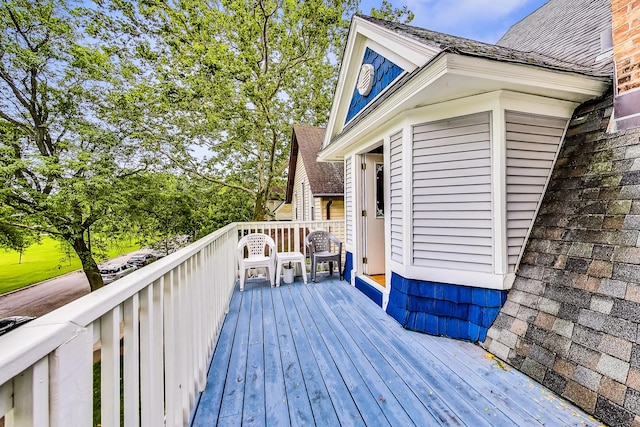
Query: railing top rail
(41, 336)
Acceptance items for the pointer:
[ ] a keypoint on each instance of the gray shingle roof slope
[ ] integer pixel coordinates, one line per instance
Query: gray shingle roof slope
(325, 178)
(467, 47)
(565, 29)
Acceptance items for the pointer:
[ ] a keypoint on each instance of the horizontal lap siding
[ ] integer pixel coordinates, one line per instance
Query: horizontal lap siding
(396, 196)
(348, 200)
(532, 144)
(452, 216)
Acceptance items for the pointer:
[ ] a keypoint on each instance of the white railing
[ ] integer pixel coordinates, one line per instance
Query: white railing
(289, 236)
(153, 331)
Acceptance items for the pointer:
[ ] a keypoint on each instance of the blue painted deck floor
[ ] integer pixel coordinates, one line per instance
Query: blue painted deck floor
(323, 354)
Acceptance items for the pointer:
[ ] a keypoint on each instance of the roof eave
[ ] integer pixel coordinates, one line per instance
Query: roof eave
(432, 84)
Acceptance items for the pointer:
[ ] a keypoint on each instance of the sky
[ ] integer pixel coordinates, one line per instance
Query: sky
(482, 20)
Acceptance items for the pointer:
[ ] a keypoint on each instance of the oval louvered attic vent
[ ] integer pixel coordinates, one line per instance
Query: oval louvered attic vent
(365, 79)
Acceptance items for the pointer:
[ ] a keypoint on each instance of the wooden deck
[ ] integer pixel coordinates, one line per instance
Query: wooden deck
(323, 354)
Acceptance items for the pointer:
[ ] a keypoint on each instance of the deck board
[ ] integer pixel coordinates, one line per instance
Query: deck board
(209, 403)
(300, 413)
(321, 405)
(324, 354)
(276, 406)
(253, 412)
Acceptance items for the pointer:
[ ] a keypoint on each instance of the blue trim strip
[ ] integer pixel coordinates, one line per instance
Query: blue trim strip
(372, 293)
(456, 311)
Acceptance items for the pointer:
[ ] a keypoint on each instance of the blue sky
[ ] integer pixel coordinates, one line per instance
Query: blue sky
(483, 20)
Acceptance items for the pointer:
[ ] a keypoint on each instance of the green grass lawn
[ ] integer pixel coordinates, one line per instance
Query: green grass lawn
(43, 261)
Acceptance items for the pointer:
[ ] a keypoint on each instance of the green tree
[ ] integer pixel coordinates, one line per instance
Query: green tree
(231, 77)
(61, 165)
(388, 12)
(16, 239)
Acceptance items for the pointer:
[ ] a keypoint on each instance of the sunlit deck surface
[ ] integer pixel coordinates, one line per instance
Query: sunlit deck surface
(323, 354)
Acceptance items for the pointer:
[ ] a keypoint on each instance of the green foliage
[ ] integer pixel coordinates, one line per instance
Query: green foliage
(230, 77)
(62, 161)
(46, 259)
(388, 12)
(101, 104)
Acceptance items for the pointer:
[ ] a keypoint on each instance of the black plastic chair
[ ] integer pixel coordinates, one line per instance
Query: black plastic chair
(324, 247)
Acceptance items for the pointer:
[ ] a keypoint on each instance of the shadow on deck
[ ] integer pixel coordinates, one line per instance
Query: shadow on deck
(323, 354)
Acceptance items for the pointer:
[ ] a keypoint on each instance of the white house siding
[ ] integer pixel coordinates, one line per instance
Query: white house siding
(532, 144)
(348, 200)
(452, 216)
(395, 195)
(299, 192)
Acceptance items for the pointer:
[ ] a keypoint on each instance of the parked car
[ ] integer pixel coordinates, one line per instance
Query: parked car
(140, 260)
(111, 272)
(10, 323)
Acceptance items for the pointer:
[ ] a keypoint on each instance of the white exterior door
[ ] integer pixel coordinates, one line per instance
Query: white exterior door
(373, 214)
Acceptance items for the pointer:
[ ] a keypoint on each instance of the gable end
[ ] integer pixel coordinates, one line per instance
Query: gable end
(385, 72)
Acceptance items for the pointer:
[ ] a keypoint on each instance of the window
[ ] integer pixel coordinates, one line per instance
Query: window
(379, 190)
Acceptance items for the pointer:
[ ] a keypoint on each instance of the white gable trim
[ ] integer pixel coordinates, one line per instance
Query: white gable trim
(404, 51)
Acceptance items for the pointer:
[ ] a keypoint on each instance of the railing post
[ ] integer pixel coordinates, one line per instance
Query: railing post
(110, 367)
(71, 381)
(296, 237)
(151, 352)
(31, 396)
(131, 362)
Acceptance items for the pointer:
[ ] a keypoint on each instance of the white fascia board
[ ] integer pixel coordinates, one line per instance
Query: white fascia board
(492, 76)
(406, 52)
(392, 106)
(534, 104)
(474, 279)
(584, 87)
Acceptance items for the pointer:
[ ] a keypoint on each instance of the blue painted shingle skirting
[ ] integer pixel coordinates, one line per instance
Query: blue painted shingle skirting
(460, 312)
(372, 293)
(348, 266)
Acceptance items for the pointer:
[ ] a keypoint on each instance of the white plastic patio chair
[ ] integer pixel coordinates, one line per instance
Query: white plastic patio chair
(261, 250)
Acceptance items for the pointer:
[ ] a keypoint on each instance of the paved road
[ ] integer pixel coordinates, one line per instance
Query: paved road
(44, 297)
(41, 298)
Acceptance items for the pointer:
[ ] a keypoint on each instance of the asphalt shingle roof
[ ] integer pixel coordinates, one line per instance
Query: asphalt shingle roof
(527, 35)
(565, 29)
(325, 178)
(467, 47)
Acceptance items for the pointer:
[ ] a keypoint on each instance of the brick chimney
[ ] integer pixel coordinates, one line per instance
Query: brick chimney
(626, 56)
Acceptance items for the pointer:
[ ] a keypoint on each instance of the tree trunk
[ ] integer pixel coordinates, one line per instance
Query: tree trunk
(89, 265)
(260, 209)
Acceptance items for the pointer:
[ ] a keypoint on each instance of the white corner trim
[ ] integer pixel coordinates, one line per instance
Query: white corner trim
(499, 190)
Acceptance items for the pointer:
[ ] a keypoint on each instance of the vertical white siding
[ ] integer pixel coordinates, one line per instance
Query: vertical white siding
(348, 199)
(532, 145)
(395, 195)
(452, 216)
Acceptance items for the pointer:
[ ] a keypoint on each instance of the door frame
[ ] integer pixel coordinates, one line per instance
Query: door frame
(360, 242)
